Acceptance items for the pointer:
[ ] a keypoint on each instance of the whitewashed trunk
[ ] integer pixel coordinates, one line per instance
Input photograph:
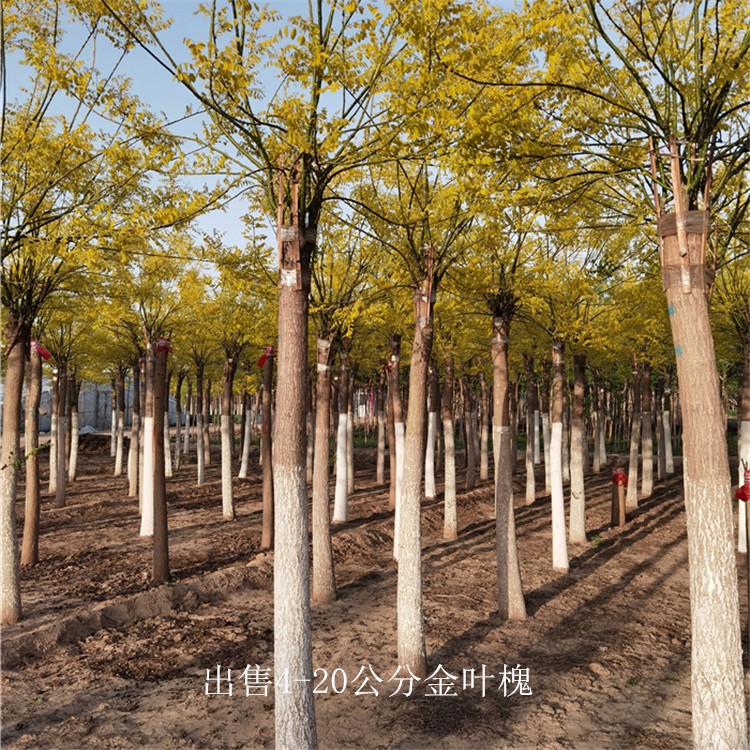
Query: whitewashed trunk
(484, 451)
(120, 443)
(530, 478)
(631, 497)
(577, 488)
(245, 463)
(400, 447)
(113, 431)
(537, 438)
(380, 470)
(450, 521)
(602, 439)
(647, 456)
(52, 456)
(559, 541)
(340, 503)
(74, 437)
(596, 459)
(167, 448)
(147, 485)
(429, 456)
(566, 448)
(350, 452)
(133, 459)
(60, 449)
(186, 436)
(669, 455)
(546, 440)
(227, 499)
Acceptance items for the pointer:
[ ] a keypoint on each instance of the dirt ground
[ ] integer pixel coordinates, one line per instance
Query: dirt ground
(102, 660)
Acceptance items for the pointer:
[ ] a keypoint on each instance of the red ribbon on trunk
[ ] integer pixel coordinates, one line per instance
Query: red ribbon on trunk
(619, 477)
(266, 354)
(40, 350)
(164, 344)
(743, 493)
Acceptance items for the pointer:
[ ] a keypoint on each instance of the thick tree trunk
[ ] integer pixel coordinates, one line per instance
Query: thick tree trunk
(577, 531)
(30, 546)
(16, 346)
(135, 433)
(450, 520)
(559, 541)
(294, 709)
(647, 441)
(323, 578)
(340, 509)
(718, 701)
(159, 400)
(266, 453)
(411, 641)
(631, 497)
(227, 439)
(149, 433)
(511, 605)
(432, 419)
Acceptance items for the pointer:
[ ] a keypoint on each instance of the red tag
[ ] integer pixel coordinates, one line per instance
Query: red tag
(743, 493)
(268, 352)
(619, 477)
(40, 350)
(164, 345)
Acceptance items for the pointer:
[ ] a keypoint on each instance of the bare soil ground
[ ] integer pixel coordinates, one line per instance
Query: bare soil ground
(102, 660)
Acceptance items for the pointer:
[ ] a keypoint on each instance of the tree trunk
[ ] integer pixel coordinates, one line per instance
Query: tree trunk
(398, 429)
(565, 441)
(432, 419)
(323, 578)
(113, 419)
(207, 424)
(178, 418)
(743, 449)
(718, 701)
(227, 439)
(120, 419)
(471, 458)
(294, 709)
(148, 449)
(559, 542)
(266, 453)
(247, 429)
(602, 423)
(61, 444)
(667, 417)
(391, 430)
(380, 470)
(546, 434)
(647, 442)
(350, 436)
(30, 546)
(54, 412)
(531, 433)
(135, 433)
(513, 426)
(511, 605)
(159, 399)
(188, 410)
(16, 346)
(631, 497)
(450, 520)
(200, 433)
(411, 642)
(340, 510)
(74, 387)
(577, 531)
(310, 443)
(661, 462)
(484, 458)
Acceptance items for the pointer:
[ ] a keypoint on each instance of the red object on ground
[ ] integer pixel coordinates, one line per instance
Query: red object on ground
(743, 493)
(619, 476)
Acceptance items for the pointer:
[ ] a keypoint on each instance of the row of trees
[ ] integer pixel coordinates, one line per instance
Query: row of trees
(513, 161)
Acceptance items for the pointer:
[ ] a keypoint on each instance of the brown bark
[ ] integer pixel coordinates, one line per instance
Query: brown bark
(207, 423)
(577, 529)
(411, 641)
(266, 452)
(160, 572)
(381, 416)
(471, 457)
(16, 345)
(718, 702)
(61, 446)
(323, 577)
(181, 374)
(631, 497)
(511, 605)
(647, 440)
(450, 512)
(397, 414)
(30, 545)
(532, 405)
(227, 439)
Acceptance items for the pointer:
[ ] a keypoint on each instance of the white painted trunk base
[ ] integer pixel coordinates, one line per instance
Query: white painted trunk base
(119, 448)
(227, 498)
(400, 448)
(167, 448)
(668, 442)
(73, 463)
(559, 541)
(340, 503)
(200, 455)
(245, 463)
(536, 440)
(429, 456)
(147, 486)
(546, 440)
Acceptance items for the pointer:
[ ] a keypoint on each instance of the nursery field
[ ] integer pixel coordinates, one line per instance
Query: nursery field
(103, 660)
